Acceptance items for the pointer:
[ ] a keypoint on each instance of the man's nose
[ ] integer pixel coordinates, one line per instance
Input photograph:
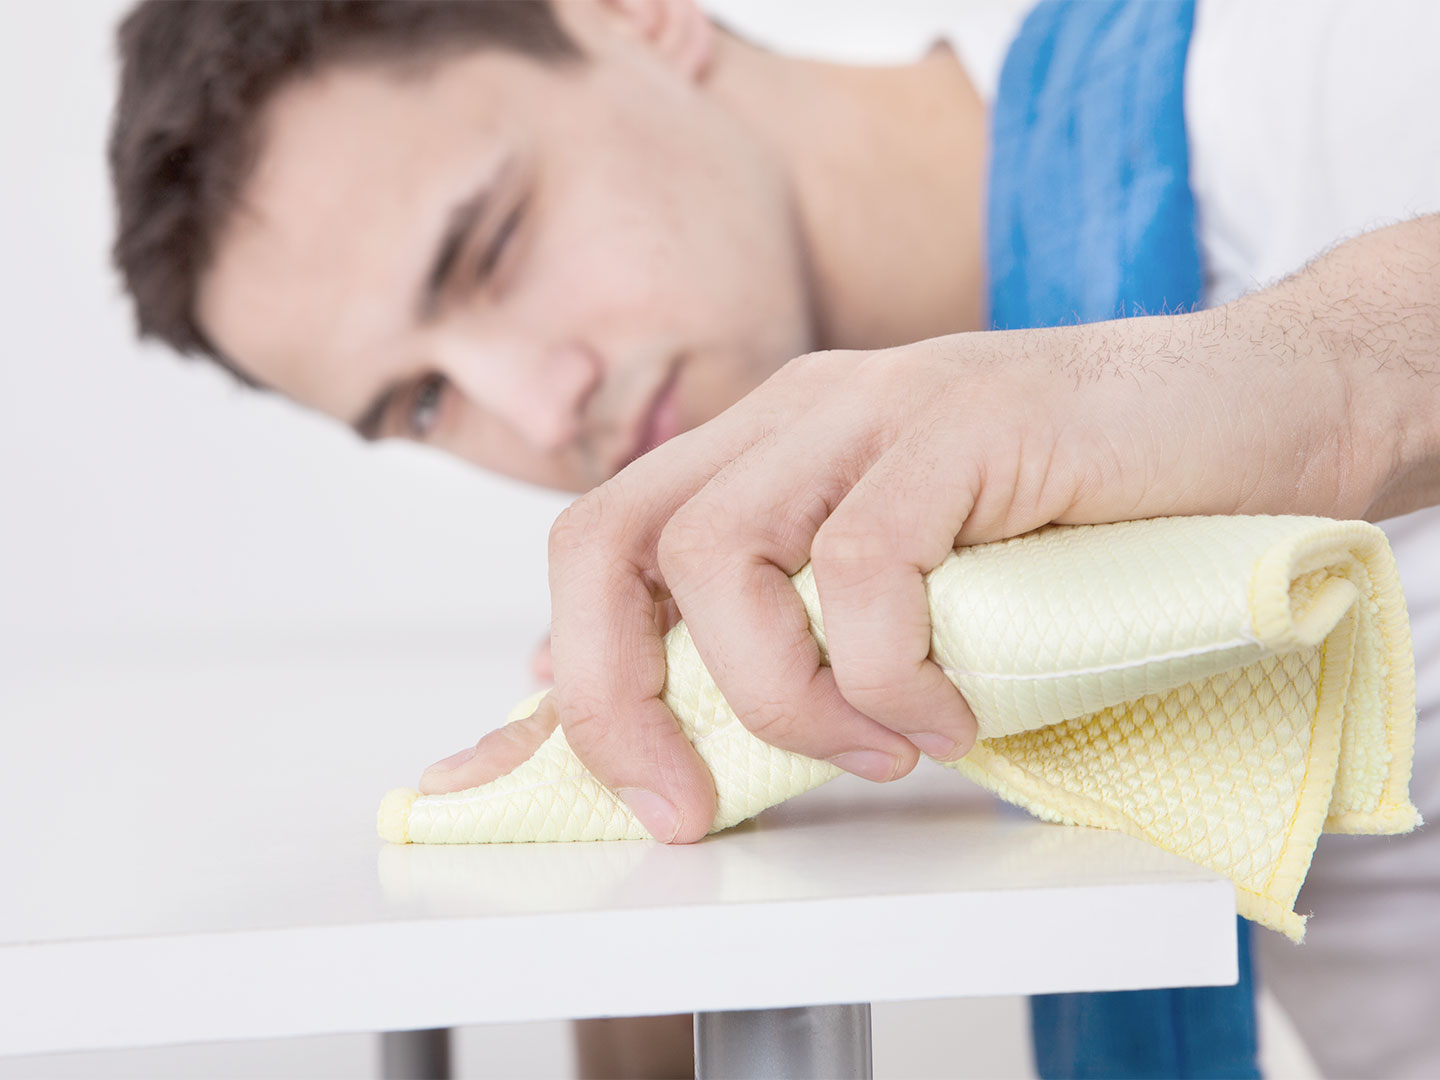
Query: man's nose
(541, 391)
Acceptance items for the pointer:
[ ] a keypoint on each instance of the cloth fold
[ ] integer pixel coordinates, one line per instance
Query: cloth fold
(1221, 687)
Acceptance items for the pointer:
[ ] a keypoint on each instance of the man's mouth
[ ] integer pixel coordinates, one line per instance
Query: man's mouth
(661, 421)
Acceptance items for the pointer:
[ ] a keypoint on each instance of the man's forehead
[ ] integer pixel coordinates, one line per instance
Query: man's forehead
(316, 133)
(356, 169)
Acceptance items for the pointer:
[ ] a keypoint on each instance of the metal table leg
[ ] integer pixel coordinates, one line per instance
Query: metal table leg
(820, 1042)
(415, 1055)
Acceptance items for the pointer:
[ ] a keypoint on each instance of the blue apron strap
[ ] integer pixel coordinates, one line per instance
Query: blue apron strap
(1091, 217)
(1090, 211)
(1195, 1032)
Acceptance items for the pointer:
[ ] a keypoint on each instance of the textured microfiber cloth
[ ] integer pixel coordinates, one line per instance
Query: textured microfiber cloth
(1222, 687)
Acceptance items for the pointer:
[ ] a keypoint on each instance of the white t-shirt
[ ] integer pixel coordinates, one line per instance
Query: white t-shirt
(1308, 122)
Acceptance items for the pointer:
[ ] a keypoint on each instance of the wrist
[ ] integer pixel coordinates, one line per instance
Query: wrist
(1375, 308)
(1402, 415)
(1306, 447)
(1356, 336)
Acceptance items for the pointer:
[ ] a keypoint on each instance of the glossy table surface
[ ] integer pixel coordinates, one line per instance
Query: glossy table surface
(189, 854)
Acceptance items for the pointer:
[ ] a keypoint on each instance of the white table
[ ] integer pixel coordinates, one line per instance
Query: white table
(189, 855)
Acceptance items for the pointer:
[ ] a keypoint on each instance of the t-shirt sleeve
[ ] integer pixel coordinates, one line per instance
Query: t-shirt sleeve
(1308, 123)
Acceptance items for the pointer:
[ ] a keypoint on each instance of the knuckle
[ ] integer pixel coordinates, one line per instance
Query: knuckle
(772, 721)
(519, 736)
(687, 539)
(878, 681)
(542, 721)
(605, 519)
(822, 362)
(885, 371)
(584, 717)
(845, 552)
(576, 526)
(813, 373)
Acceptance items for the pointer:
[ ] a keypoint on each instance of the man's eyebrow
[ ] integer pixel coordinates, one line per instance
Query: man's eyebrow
(458, 227)
(462, 220)
(369, 424)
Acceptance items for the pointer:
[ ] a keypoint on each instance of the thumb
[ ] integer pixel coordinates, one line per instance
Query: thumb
(501, 751)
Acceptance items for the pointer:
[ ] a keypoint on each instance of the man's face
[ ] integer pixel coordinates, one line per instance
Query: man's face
(542, 269)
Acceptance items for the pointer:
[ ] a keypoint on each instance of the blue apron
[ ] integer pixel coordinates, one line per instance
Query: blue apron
(1091, 217)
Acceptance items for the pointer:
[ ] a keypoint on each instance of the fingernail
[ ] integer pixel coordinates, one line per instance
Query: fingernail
(939, 747)
(454, 761)
(871, 764)
(657, 814)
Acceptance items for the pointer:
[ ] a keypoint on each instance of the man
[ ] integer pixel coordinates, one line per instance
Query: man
(551, 240)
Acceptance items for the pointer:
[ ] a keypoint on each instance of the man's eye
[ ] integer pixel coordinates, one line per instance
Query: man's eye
(424, 407)
(496, 248)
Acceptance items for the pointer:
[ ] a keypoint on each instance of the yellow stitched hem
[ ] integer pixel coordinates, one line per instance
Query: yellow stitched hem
(1267, 912)
(1322, 763)
(1386, 821)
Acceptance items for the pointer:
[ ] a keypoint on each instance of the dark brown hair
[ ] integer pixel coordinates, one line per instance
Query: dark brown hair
(195, 75)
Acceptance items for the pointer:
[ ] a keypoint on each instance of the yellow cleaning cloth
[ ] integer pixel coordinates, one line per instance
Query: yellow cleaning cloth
(1224, 688)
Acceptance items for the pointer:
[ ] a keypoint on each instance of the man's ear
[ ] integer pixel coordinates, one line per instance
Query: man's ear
(677, 32)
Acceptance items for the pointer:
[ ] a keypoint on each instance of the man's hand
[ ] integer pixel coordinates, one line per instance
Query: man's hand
(873, 467)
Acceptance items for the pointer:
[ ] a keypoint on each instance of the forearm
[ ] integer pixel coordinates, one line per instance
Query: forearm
(1370, 310)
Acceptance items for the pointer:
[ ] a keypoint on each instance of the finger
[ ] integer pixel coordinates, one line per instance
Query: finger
(606, 644)
(542, 663)
(727, 557)
(870, 558)
(496, 754)
(610, 669)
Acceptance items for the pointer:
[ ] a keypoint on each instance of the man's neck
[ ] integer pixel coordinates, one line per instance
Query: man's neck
(887, 170)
